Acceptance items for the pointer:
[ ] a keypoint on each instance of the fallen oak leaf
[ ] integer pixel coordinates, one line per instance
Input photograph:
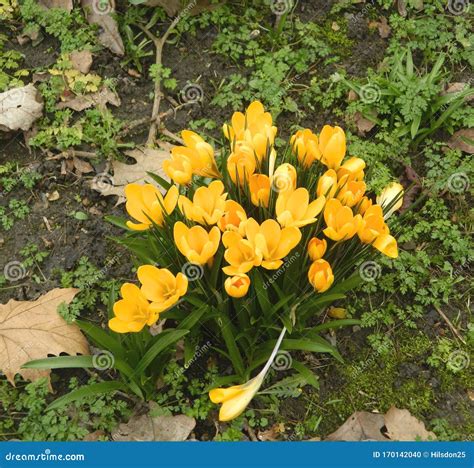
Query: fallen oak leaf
(64, 4)
(33, 330)
(402, 425)
(100, 13)
(360, 426)
(100, 98)
(147, 160)
(147, 428)
(19, 108)
(463, 140)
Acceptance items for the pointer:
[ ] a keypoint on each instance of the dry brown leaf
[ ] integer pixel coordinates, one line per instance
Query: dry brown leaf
(402, 8)
(101, 98)
(363, 125)
(81, 166)
(384, 28)
(272, 434)
(463, 140)
(109, 35)
(19, 108)
(453, 88)
(81, 60)
(33, 330)
(147, 160)
(159, 428)
(401, 425)
(362, 425)
(172, 7)
(65, 4)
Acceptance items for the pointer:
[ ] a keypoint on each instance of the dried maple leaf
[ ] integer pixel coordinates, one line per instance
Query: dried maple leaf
(33, 330)
(19, 108)
(147, 160)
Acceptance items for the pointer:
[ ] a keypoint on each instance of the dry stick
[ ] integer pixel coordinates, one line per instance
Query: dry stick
(450, 325)
(159, 42)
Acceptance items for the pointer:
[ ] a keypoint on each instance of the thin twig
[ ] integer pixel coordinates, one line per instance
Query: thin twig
(171, 135)
(450, 325)
(159, 42)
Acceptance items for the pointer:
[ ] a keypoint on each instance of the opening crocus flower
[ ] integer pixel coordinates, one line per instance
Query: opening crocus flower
(320, 275)
(386, 199)
(317, 248)
(284, 178)
(332, 144)
(386, 244)
(146, 204)
(208, 204)
(240, 254)
(305, 145)
(196, 244)
(373, 225)
(161, 287)
(200, 154)
(351, 192)
(235, 399)
(341, 222)
(327, 184)
(237, 286)
(364, 204)
(271, 241)
(255, 127)
(241, 163)
(259, 185)
(233, 218)
(132, 312)
(178, 168)
(294, 209)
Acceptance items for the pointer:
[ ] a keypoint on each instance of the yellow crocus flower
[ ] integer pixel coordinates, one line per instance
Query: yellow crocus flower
(161, 287)
(320, 275)
(146, 204)
(195, 243)
(241, 163)
(391, 192)
(327, 184)
(237, 286)
(233, 218)
(386, 244)
(271, 241)
(201, 154)
(340, 221)
(305, 145)
(373, 225)
(179, 168)
(259, 186)
(132, 312)
(332, 144)
(351, 192)
(240, 254)
(208, 204)
(352, 169)
(235, 399)
(317, 248)
(294, 209)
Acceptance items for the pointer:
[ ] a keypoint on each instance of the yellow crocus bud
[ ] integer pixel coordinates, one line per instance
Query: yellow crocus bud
(320, 275)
